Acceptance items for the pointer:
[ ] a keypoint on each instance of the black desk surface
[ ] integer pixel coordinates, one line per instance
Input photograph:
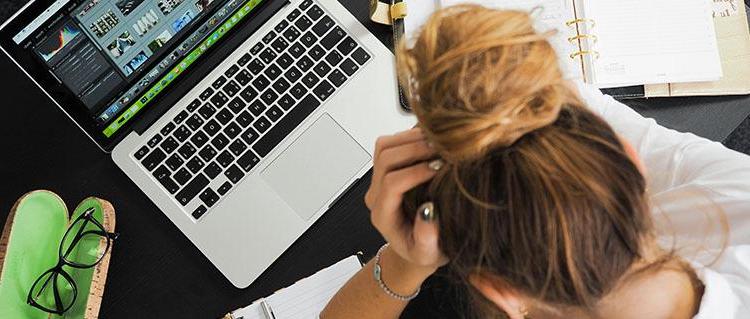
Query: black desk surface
(155, 271)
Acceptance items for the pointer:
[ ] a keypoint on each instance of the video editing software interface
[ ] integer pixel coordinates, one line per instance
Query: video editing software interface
(115, 56)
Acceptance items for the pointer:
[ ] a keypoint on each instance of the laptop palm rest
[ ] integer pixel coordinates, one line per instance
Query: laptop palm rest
(315, 167)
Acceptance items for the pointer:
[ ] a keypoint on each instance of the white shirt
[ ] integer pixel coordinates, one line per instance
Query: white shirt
(694, 183)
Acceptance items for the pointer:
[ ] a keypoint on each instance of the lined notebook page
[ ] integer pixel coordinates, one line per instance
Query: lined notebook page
(648, 41)
(306, 298)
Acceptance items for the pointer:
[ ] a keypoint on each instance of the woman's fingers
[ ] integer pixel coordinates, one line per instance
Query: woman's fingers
(425, 238)
(404, 155)
(388, 141)
(394, 185)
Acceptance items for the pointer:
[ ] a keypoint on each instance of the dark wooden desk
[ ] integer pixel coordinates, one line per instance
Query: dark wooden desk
(155, 270)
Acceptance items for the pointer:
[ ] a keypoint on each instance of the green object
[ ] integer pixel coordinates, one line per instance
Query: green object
(38, 226)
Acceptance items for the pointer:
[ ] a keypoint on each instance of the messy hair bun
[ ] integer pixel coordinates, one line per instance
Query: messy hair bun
(481, 79)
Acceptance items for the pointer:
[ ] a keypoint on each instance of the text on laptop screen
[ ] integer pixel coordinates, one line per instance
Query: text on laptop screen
(116, 56)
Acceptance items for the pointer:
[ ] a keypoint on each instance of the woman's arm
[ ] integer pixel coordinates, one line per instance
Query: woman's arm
(692, 181)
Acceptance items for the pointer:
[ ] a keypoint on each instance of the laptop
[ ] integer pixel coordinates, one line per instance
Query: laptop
(242, 120)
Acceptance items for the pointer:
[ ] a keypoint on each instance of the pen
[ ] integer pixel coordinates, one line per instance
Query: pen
(267, 311)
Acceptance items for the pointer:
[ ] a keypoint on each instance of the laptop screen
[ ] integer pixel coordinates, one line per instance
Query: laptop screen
(112, 58)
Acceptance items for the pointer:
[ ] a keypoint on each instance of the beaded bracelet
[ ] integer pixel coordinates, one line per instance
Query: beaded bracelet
(378, 272)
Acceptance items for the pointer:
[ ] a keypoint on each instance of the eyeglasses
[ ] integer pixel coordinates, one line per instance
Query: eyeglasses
(55, 291)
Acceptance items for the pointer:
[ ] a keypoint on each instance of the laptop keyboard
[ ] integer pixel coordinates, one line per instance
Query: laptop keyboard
(259, 100)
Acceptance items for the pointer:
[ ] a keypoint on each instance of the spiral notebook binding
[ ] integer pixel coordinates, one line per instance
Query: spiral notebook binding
(581, 20)
(583, 37)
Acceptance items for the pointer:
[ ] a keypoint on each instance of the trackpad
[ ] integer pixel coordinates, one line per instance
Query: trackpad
(317, 165)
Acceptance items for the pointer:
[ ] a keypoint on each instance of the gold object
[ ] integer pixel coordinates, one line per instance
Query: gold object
(577, 21)
(582, 53)
(384, 13)
(398, 11)
(584, 36)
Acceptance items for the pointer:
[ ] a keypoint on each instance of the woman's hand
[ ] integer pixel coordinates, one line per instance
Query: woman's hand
(401, 163)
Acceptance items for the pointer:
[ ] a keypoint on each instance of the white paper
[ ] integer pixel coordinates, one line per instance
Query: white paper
(418, 11)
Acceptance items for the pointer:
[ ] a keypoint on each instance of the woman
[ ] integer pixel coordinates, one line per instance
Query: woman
(537, 204)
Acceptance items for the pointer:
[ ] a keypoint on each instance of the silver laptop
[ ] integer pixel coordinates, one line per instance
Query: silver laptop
(242, 120)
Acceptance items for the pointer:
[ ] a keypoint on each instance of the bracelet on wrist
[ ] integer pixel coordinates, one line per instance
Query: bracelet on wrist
(378, 274)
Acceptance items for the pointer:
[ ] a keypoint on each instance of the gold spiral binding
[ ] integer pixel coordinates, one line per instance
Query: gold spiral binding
(584, 36)
(585, 52)
(577, 21)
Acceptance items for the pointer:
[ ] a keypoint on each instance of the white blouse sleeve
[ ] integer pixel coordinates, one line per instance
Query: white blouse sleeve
(696, 183)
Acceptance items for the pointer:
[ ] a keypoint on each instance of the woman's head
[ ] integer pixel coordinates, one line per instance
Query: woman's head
(539, 196)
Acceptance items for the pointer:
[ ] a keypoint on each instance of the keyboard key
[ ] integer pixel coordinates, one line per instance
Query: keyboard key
(262, 124)
(225, 158)
(310, 79)
(219, 99)
(274, 113)
(231, 88)
(279, 45)
(168, 128)
(220, 141)
(249, 136)
(308, 39)
(286, 102)
(212, 127)
(324, 90)
(174, 162)
(234, 174)
(257, 108)
(261, 82)
(305, 4)
(207, 93)
(209, 197)
(337, 78)
(244, 59)
(304, 64)
(322, 68)
(315, 12)
(182, 176)
(192, 189)
(303, 23)
(281, 85)
(194, 105)
(248, 160)
(334, 58)
(298, 91)
(162, 175)
(212, 170)
(317, 52)
(231, 71)
(293, 74)
(243, 78)
(237, 147)
(182, 133)
(272, 72)
(141, 152)
(207, 111)
(323, 26)
(154, 141)
(194, 122)
(169, 145)
(281, 26)
(236, 105)
(219, 82)
(198, 212)
(293, 15)
(195, 164)
(333, 37)
(296, 50)
(269, 96)
(256, 48)
(244, 119)
(361, 56)
(287, 124)
(269, 37)
(180, 117)
(199, 139)
(249, 94)
(153, 159)
(232, 130)
(225, 116)
(349, 67)
(346, 46)
(224, 188)
(207, 153)
(284, 60)
(256, 66)
(186, 150)
(267, 55)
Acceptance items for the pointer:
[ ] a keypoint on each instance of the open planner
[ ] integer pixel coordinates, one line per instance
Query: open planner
(306, 298)
(614, 43)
